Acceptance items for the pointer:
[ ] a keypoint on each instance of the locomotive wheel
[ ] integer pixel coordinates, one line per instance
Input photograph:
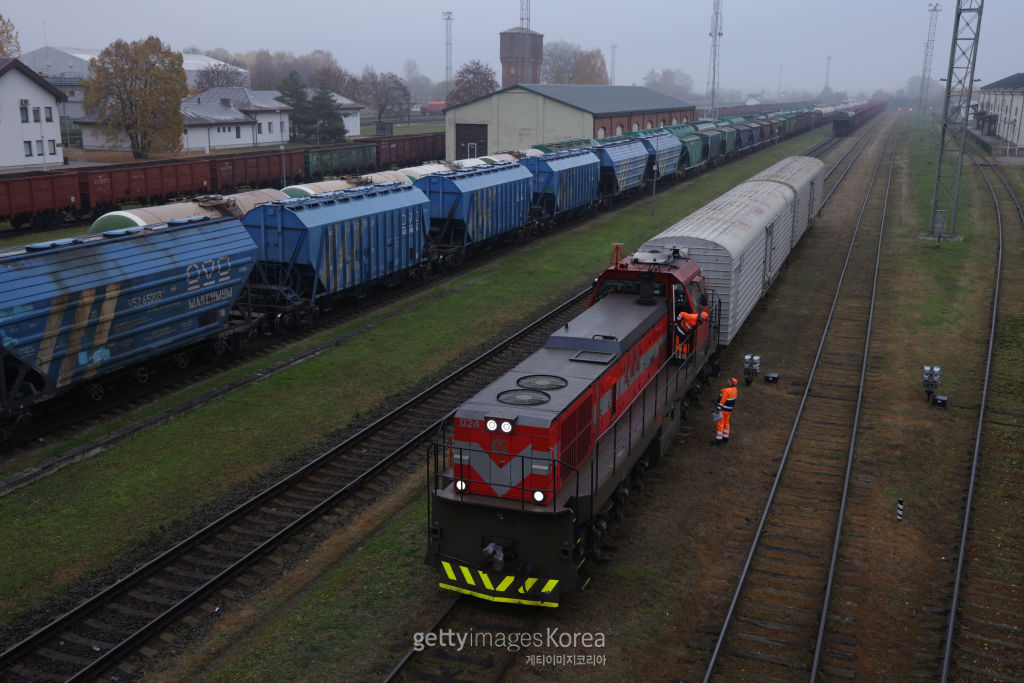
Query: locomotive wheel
(220, 347)
(182, 360)
(141, 375)
(95, 391)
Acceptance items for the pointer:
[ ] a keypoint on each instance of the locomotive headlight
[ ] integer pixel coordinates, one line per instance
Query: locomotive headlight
(491, 424)
(538, 496)
(506, 427)
(460, 485)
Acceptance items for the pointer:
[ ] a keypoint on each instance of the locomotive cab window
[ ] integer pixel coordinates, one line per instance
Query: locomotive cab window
(617, 286)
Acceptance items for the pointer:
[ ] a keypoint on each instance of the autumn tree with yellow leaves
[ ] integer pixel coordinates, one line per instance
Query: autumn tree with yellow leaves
(136, 89)
(9, 45)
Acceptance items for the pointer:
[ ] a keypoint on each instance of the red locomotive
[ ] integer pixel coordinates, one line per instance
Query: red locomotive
(537, 463)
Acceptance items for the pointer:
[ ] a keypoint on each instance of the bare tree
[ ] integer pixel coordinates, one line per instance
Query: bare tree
(474, 79)
(672, 82)
(384, 93)
(589, 68)
(420, 87)
(559, 62)
(219, 75)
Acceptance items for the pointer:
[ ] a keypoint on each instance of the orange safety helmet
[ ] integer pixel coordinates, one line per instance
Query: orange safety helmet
(733, 382)
(704, 315)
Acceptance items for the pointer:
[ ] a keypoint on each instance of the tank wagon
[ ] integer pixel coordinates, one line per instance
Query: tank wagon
(530, 472)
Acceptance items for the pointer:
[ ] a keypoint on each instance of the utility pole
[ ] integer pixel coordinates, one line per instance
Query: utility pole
(447, 18)
(929, 48)
(955, 111)
(716, 35)
(778, 96)
(524, 45)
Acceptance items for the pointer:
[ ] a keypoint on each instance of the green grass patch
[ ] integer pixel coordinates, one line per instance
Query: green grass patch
(84, 517)
(344, 619)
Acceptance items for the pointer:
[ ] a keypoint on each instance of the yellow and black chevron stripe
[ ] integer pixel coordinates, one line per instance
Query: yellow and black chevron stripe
(500, 587)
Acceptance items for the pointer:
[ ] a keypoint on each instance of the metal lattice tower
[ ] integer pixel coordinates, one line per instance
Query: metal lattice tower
(929, 49)
(828, 69)
(524, 24)
(716, 35)
(447, 17)
(955, 111)
(614, 47)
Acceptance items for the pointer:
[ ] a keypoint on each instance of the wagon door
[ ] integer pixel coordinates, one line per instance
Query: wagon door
(769, 249)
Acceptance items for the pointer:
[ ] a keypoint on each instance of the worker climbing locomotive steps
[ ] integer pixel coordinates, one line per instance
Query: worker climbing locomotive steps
(685, 324)
(726, 402)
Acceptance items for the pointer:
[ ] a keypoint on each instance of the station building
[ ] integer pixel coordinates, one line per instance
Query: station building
(999, 114)
(524, 115)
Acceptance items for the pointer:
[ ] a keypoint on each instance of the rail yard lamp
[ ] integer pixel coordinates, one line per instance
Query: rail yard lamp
(654, 186)
(931, 375)
(751, 366)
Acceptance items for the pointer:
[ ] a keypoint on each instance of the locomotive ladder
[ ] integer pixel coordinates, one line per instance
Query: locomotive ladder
(775, 624)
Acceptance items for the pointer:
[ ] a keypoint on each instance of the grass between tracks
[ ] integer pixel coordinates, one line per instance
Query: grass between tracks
(77, 521)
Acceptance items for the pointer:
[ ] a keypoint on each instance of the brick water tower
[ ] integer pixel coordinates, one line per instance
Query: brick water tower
(522, 52)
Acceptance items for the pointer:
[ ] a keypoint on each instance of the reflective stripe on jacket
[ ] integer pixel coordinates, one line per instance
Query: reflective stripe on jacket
(727, 399)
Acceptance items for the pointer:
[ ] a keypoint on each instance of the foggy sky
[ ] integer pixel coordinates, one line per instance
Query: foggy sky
(873, 43)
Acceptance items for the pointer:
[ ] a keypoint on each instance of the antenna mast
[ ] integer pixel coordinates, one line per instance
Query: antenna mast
(955, 110)
(524, 55)
(929, 49)
(716, 35)
(447, 18)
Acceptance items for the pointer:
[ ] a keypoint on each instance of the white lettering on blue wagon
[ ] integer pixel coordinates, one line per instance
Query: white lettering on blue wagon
(208, 273)
(211, 297)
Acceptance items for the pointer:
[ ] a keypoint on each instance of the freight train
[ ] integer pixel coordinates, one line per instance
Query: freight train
(844, 122)
(531, 470)
(82, 313)
(45, 197)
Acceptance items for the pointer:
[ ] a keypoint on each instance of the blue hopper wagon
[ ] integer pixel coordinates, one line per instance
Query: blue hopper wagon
(663, 152)
(74, 310)
(563, 182)
(314, 250)
(472, 206)
(623, 164)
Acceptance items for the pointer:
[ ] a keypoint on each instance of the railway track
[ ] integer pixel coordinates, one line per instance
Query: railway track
(103, 631)
(484, 658)
(776, 624)
(984, 635)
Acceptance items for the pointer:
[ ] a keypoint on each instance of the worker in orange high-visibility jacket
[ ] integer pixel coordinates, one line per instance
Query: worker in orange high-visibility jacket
(685, 322)
(726, 402)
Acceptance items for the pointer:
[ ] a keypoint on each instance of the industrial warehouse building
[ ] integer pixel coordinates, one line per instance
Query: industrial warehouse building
(524, 115)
